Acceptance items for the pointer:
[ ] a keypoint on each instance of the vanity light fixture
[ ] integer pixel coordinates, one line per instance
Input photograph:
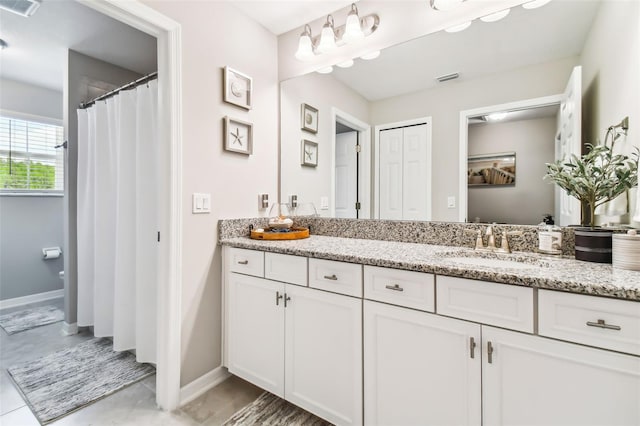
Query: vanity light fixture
(459, 27)
(371, 55)
(535, 4)
(445, 4)
(325, 70)
(331, 37)
(493, 17)
(346, 64)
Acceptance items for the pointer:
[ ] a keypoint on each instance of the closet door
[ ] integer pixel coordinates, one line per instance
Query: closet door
(391, 153)
(415, 169)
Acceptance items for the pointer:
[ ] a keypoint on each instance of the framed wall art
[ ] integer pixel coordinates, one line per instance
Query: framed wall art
(309, 153)
(238, 136)
(237, 88)
(492, 169)
(309, 119)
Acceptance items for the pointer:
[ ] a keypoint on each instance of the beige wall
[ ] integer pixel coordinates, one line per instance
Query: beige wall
(215, 34)
(611, 75)
(531, 197)
(444, 105)
(323, 92)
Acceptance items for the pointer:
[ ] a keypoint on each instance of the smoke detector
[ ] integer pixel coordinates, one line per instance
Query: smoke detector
(21, 7)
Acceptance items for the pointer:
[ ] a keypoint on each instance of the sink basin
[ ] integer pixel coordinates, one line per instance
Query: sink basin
(495, 260)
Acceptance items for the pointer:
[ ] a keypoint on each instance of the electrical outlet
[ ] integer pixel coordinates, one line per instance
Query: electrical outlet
(263, 201)
(451, 202)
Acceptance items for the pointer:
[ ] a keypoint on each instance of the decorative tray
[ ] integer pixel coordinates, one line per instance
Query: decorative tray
(279, 234)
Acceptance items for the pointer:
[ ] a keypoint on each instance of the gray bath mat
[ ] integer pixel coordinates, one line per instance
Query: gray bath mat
(64, 381)
(27, 319)
(269, 410)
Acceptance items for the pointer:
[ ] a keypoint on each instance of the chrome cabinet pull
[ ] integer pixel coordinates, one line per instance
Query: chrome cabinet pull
(490, 352)
(278, 297)
(331, 277)
(472, 347)
(394, 287)
(286, 299)
(243, 262)
(602, 324)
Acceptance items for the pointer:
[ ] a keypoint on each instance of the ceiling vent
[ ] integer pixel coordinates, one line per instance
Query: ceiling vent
(448, 77)
(20, 7)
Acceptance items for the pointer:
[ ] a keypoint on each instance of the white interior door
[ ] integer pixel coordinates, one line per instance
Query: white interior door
(415, 169)
(390, 170)
(346, 174)
(569, 141)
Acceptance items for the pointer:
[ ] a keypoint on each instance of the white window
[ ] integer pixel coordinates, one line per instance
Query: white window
(29, 161)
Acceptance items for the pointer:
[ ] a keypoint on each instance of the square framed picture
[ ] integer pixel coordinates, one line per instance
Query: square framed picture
(309, 152)
(237, 88)
(309, 119)
(238, 136)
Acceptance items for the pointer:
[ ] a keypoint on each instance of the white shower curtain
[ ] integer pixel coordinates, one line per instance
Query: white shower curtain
(118, 219)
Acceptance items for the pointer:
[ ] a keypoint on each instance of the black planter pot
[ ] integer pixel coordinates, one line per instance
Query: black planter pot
(593, 244)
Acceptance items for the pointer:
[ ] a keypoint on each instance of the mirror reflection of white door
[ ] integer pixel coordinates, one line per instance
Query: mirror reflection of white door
(346, 175)
(404, 170)
(568, 141)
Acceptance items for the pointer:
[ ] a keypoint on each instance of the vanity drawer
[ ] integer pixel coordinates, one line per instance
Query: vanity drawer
(286, 268)
(502, 305)
(404, 288)
(590, 320)
(338, 277)
(249, 262)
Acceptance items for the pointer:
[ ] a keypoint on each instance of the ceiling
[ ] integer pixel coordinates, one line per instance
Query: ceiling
(525, 37)
(38, 45)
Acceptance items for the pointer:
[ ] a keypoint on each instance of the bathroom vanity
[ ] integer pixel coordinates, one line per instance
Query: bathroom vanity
(361, 331)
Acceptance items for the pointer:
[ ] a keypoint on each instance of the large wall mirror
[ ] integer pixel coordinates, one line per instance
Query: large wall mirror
(393, 142)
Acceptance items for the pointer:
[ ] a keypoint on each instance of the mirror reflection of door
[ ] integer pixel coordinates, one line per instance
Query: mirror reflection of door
(347, 164)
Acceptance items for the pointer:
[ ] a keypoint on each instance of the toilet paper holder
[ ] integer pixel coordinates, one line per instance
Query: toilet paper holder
(51, 253)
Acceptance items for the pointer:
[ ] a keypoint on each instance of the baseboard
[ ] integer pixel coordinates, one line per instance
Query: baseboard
(192, 390)
(69, 329)
(32, 298)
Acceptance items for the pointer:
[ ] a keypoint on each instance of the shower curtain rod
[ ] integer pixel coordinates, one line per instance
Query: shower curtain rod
(141, 80)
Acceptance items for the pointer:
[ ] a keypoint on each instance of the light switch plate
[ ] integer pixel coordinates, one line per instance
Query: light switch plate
(324, 203)
(201, 203)
(451, 202)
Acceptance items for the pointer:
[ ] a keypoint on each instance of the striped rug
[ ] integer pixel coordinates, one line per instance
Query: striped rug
(64, 381)
(269, 410)
(27, 319)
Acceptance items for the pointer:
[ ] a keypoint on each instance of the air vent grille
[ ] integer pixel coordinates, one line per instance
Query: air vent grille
(20, 7)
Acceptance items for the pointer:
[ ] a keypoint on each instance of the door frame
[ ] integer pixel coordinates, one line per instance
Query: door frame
(168, 33)
(376, 160)
(464, 139)
(364, 169)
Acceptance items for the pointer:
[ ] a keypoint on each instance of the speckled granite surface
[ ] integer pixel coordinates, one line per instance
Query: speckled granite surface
(437, 233)
(556, 273)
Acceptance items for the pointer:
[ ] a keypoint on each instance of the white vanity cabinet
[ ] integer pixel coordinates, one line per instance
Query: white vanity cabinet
(302, 344)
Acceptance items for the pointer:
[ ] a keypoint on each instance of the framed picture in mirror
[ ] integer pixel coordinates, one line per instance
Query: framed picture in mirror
(237, 88)
(309, 153)
(492, 169)
(309, 119)
(238, 136)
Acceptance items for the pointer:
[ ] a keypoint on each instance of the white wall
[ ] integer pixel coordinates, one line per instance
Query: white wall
(530, 198)
(611, 75)
(31, 100)
(215, 34)
(322, 92)
(444, 104)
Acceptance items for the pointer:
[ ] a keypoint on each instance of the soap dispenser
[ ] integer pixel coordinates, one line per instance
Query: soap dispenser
(549, 236)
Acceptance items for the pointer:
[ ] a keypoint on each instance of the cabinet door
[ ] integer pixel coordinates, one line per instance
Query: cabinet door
(532, 380)
(256, 331)
(419, 369)
(323, 355)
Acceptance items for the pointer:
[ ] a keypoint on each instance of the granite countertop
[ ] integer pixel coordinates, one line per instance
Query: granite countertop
(549, 272)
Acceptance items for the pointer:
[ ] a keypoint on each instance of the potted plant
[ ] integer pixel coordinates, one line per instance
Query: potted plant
(596, 178)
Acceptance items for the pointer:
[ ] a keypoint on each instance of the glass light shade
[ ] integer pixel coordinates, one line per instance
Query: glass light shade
(279, 216)
(346, 64)
(305, 48)
(371, 55)
(459, 27)
(353, 29)
(327, 39)
(325, 70)
(535, 4)
(445, 4)
(495, 16)
(306, 209)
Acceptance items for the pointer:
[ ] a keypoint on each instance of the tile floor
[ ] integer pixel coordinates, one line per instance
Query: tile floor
(134, 405)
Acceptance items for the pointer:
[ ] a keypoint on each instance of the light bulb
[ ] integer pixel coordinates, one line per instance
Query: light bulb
(495, 16)
(497, 116)
(371, 55)
(327, 37)
(535, 4)
(305, 48)
(353, 29)
(325, 70)
(459, 27)
(346, 64)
